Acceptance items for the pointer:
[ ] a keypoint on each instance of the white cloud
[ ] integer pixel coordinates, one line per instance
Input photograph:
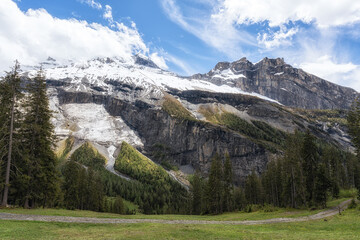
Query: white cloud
(345, 74)
(33, 36)
(108, 14)
(214, 32)
(282, 37)
(91, 3)
(223, 25)
(159, 60)
(323, 12)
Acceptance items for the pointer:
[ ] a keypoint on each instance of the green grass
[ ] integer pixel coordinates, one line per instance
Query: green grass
(234, 216)
(175, 109)
(345, 226)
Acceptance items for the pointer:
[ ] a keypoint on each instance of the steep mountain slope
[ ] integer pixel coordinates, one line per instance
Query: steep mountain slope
(186, 120)
(280, 81)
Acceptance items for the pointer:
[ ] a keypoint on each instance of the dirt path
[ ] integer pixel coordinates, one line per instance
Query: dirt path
(23, 217)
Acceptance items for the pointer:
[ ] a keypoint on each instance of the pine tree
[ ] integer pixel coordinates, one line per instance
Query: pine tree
(293, 193)
(71, 172)
(215, 186)
(39, 140)
(353, 119)
(239, 199)
(10, 116)
(253, 189)
(197, 196)
(322, 184)
(310, 163)
(95, 194)
(228, 185)
(83, 189)
(272, 184)
(119, 206)
(331, 158)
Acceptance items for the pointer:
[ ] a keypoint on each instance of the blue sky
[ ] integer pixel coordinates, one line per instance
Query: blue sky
(188, 36)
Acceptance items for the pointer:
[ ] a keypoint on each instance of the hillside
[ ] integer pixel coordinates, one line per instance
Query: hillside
(136, 178)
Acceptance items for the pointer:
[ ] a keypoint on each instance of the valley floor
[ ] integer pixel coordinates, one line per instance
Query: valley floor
(67, 219)
(324, 225)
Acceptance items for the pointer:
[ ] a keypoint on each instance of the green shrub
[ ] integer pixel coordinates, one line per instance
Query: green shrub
(348, 193)
(352, 204)
(269, 208)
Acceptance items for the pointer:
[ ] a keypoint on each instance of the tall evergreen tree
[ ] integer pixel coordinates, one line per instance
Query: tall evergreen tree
(353, 120)
(253, 189)
(118, 206)
(95, 193)
(197, 194)
(272, 184)
(293, 193)
(215, 186)
(10, 116)
(331, 158)
(39, 141)
(310, 162)
(322, 184)
(71, 173)
(228, 198)
(239, 199)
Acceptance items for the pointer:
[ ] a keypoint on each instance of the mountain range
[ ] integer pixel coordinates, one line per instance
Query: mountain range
(239, 108)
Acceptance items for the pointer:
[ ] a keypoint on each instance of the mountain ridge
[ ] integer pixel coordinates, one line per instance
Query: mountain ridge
(276, 79)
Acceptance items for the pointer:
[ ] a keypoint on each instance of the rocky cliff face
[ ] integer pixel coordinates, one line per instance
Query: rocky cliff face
(280, 81)
(107, 101)
(191, 143)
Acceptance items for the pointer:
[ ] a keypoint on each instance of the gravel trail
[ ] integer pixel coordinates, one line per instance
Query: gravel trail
(24, 217)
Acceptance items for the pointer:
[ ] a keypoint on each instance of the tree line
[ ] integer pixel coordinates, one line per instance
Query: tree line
(84, 189)
(157, 194)
(308, 173)
(215, 195)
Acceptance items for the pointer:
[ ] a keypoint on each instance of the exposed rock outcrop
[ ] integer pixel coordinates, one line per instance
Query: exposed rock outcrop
(280, 81)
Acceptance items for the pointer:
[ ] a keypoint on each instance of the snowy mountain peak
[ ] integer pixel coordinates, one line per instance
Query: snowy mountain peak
(140, 79)
(143, 60)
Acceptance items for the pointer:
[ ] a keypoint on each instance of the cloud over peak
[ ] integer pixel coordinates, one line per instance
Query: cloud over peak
(34, 35)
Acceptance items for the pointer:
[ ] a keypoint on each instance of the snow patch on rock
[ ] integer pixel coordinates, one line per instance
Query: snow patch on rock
(95, 124)
(228, 74)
